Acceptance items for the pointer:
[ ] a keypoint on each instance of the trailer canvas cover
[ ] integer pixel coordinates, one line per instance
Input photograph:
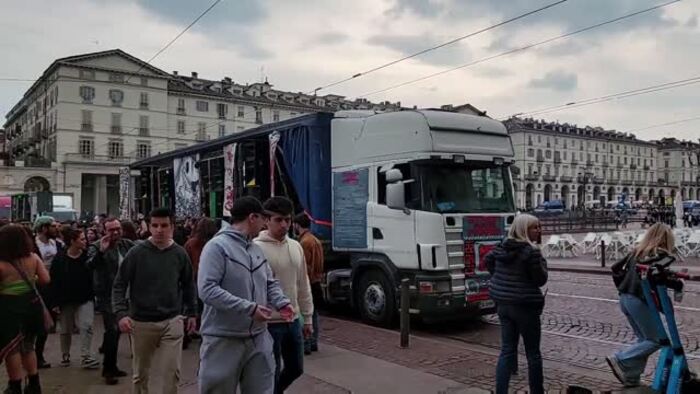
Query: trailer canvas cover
(306, 148)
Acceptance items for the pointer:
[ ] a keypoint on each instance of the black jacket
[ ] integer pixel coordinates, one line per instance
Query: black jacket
(517, 271)
(105, 266)
(71, 280)
(627, 279)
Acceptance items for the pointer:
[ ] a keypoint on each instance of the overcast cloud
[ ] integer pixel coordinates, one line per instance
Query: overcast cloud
(304, 44)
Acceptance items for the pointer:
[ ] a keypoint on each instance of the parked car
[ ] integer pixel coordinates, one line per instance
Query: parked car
(551, 207)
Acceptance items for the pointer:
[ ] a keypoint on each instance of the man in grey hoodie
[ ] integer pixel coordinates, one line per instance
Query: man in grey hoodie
(238, 290)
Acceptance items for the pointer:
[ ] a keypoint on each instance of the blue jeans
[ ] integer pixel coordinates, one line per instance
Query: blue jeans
(517, 320)
(288, 350)
(633, 359)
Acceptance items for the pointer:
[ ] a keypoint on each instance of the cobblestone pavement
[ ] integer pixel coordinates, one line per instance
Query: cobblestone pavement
(581, 323)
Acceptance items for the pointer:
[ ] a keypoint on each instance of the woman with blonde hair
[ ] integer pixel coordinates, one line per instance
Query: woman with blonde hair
(518, 270)
(628, 364)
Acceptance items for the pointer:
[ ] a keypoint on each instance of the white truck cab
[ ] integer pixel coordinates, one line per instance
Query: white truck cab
(422, 195)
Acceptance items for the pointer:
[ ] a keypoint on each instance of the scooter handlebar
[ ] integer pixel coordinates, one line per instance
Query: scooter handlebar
(668, 272)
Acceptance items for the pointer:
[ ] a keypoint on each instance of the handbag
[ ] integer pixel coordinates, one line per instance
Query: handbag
(48, 319)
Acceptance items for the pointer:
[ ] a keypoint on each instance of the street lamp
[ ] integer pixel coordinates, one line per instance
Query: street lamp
(585, 178)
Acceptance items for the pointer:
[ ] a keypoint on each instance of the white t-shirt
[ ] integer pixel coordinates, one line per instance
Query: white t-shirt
(48, 251)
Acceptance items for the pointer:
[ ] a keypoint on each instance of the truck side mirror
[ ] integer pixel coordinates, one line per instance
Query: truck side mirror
(395, 195)
(395, 190)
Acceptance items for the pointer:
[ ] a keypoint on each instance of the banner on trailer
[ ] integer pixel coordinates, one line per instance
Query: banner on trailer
(274, 140)
(187, 187)
(229, 170)
(124, 200)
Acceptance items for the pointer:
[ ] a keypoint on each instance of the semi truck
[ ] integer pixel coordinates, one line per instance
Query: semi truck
(415, 194)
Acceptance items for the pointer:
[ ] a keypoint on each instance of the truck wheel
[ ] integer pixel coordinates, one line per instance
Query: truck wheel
(376, 299)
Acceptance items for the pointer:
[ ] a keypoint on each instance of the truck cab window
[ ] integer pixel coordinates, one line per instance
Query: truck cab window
(412, 192)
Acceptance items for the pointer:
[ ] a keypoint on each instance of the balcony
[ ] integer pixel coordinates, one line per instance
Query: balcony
(613, 180)
(86, 126)
(589, 163)
(540, 159)
(598, 180)
(181, 111)
(549, 178)
(532, 177)
(565, 179)
(646, 168)
(640, 183)
(574, 162)
(33, 161)
(95, 159)
(633, 166)
(605, 164)
(143, 132)
(557, 160)
(619, 165)
(116, 129)
(661, 182)
(143, 105)
(627, 182)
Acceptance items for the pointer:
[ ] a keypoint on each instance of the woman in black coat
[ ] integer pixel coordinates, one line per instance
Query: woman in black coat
(518, 270)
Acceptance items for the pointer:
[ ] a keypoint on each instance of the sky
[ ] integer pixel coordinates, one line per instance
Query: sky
(303, 44)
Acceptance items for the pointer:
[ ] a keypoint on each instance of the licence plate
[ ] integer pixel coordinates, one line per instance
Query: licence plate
(486, 304)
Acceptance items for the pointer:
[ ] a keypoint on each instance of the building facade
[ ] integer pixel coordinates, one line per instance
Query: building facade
(578, 164)
(89, 115)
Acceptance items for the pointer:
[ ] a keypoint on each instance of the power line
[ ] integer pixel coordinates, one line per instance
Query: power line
(665, 124)
(520, 49)
(424, 51)
(177, 36)
(613, 96)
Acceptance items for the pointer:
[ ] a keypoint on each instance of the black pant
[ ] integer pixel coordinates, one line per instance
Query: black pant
(516, 321)
(110, 344)
(43, 336)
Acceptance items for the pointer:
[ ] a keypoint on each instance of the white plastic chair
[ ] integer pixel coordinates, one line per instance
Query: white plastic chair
(552, 248)
(590, 242)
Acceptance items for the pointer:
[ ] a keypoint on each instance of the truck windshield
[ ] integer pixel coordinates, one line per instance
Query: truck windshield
(471, 187)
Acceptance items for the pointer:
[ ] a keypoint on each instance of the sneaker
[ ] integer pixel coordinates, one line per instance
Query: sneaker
(42, 364)
(616, 369)
(65, 361)
(89, 363)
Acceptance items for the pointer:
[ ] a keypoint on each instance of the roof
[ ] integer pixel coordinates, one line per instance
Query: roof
(219, 143)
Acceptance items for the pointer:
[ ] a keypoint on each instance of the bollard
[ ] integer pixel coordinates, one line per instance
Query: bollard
(602, 253)
(405, 316)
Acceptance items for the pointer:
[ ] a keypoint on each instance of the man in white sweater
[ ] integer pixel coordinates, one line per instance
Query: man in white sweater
(286, 258)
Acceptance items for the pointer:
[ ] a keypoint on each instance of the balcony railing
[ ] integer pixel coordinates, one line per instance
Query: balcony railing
(633, 166)
(589, 163)
(599, 180)
(116, 129)
(640, 183)
(95, 159)
(646, 168)
(532, 177)
(181, 111)
(549, 178)
(143, 131)
(565, 178)
(627, 182)
(557, 160)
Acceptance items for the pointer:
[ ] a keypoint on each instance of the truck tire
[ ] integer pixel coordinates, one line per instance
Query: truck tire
(376, 299)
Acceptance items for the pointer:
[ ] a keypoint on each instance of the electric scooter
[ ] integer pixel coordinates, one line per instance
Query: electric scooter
(672, 374)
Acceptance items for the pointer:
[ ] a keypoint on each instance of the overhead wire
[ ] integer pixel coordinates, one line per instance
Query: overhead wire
(447, 43)
(519, 49)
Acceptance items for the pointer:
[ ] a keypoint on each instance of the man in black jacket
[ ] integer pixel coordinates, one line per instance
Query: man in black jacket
(105, 256)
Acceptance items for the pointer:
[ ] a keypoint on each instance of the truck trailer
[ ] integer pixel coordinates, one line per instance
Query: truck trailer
(416, 194)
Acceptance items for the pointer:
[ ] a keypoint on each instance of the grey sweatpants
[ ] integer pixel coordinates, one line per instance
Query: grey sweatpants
(224, 362)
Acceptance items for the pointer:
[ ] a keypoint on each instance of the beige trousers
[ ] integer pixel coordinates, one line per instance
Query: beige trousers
(164, 336)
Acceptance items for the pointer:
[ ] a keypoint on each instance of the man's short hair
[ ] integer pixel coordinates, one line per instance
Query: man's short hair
(244, 207)
(41, 222)
(111, 219)
(279, 205)
(303, 220)
(161, 212)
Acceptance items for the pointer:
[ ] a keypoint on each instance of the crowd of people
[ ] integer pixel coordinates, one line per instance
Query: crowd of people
(246, 288)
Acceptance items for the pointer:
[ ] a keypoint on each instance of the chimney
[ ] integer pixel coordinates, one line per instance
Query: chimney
(175, 73)
(194, 74)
